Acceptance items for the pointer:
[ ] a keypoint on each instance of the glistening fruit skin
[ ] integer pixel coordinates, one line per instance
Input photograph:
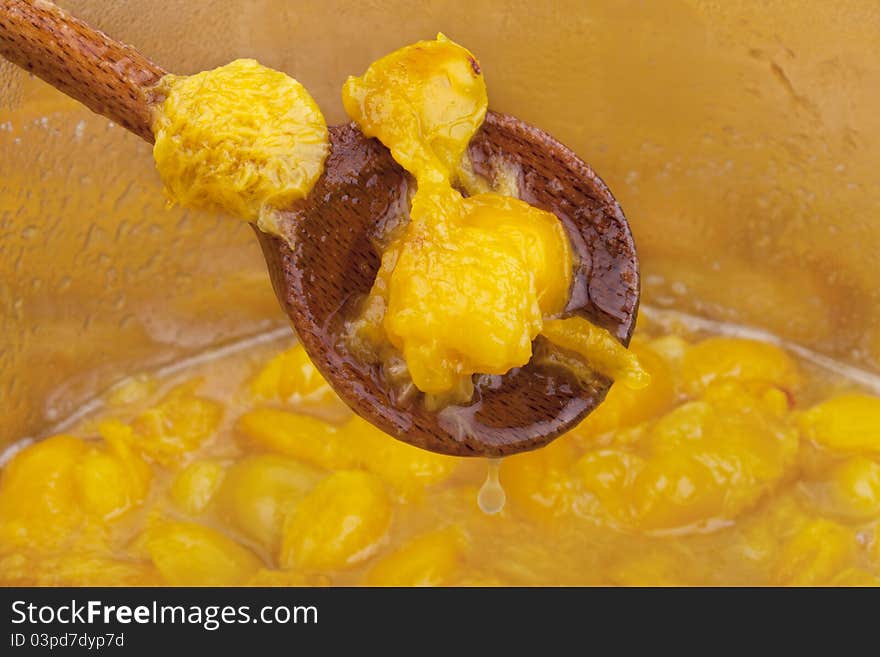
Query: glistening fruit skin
(850, 490)
(259, 491)
(719, 358)
(848, 423)
(189, 554)
(195, 486)
(341, 522)
(431, 559)
(814, 554)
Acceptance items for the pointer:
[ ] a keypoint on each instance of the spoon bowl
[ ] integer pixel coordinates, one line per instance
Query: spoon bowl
(328, 260)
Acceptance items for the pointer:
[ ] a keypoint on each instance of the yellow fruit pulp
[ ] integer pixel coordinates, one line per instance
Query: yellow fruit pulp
(240, 139)
(465, 286)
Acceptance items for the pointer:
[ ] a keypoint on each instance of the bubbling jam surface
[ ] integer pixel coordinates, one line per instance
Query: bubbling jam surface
(736, 464)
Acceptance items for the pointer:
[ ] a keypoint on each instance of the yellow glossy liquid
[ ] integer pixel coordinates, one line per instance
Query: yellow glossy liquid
(492, 497)
(737, 464)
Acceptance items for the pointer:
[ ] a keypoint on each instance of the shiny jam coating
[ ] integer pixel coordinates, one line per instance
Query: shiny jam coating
(464, 286)
(735, 464)
(239, 139)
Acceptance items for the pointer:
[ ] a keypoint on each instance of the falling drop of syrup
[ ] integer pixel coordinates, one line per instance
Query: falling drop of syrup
(492, 497)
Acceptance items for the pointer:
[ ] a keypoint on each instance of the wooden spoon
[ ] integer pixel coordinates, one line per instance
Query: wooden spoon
(333, 260)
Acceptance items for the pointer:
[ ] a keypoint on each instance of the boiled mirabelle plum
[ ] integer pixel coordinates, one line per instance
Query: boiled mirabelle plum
(606, 477)
(114, 479)
(712, 459)
(406, 468)
(259, 491)
(699, 465)
(189, 554)
(341, 522)
(61, 484)
(849, 423)
(814, 554)
(296, 435)
(625, 406)
(431, 559)
(538, 483)
(39, 502)
(291, 377)
(177, 425)
(193, 488)
(237, 139)
(677, 491)
(849, 489)
(738, 359)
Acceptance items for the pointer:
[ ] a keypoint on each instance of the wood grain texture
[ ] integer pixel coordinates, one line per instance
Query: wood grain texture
(108, 77)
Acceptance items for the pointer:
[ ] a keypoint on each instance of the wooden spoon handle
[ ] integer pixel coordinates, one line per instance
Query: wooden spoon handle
(109, 77)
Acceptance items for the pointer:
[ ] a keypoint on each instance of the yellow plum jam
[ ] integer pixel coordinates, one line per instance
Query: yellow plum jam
(715, 459)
